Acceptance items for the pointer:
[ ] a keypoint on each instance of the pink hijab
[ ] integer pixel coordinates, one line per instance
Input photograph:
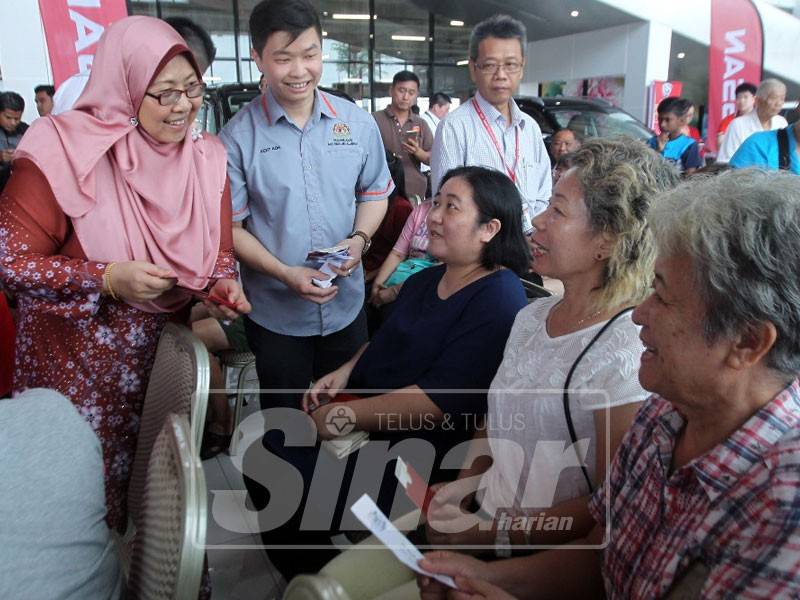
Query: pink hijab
(129, 196)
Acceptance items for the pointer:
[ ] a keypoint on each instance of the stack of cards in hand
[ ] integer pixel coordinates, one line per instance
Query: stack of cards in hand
(324, 258)
(345, 445)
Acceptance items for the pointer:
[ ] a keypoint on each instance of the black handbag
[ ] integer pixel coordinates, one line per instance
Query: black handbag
(567, 411)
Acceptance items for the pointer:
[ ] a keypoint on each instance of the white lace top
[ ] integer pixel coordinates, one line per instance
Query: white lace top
(526, 422)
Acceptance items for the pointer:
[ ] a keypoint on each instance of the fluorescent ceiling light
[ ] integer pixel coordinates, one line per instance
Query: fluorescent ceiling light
(350, 17)
(352, 80)
(681, 54)
(456, 23)
(462, 63)
(409, 38)
(324, 33)
(574, 13)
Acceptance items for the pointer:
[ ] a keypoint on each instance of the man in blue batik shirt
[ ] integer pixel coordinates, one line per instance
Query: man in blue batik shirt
(307, 171)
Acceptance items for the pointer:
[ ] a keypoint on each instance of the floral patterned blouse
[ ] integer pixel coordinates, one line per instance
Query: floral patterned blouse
(96, 351)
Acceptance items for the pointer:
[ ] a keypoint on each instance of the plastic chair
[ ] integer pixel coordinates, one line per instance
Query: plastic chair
(169, 547)
(245, 362)
(178, 385)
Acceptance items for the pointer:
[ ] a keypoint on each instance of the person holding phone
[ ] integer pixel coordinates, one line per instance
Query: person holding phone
(406, 134)
(95, 249)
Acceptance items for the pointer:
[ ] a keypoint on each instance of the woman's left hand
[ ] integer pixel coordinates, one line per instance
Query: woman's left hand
(229, 290)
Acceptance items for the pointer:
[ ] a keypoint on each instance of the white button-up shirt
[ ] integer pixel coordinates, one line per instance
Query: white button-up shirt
(462, 140)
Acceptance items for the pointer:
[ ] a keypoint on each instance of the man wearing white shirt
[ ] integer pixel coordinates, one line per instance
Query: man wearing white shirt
(490, 130)
(438, 107)
(770, 96)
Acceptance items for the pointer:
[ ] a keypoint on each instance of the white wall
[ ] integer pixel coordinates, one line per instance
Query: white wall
(23, 54)
(692, 19)
(639, 52)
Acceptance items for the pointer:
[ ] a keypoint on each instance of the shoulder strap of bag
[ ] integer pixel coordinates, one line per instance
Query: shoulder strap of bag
(783, 149)
(567, 412)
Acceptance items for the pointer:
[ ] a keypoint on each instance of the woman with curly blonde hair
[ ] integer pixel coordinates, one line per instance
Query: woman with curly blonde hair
(567, 389)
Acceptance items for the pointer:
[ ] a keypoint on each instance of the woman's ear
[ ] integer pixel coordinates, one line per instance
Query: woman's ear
(490, 229)
(605, 244)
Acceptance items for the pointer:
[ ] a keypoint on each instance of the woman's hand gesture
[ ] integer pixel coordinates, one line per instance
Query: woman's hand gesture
(137, 280)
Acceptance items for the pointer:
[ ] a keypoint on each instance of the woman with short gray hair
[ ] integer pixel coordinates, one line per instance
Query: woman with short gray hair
(707, 478)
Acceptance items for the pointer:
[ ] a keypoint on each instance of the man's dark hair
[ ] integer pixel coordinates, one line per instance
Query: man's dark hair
(403, 76)
(47, 89)
(195, 36)
(677, 106)
(497, 26)
(291, 16)
(438, 99)
(746, 87)
(11, 101)
(497, 197)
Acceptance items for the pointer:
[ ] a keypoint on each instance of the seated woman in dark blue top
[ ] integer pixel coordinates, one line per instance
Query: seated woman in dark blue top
(450, 322)
(422, 382)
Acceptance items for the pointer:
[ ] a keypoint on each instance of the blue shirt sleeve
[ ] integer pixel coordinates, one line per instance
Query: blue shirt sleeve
(653, 143)
(239, 196)
(474, 348)
(374, 181)
(691, 158)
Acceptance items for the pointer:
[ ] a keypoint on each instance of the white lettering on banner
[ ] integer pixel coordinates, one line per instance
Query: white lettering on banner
(734, 44)
(85, 63)
(84, 3)
(729, 96)
(88, 31)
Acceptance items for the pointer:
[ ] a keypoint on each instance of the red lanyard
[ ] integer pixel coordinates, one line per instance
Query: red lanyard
(512, 170)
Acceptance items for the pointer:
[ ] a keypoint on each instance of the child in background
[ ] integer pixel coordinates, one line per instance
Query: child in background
(672, 143)
(409, 253)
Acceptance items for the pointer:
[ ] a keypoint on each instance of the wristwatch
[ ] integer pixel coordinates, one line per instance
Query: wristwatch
(502, 544)
(363, 236)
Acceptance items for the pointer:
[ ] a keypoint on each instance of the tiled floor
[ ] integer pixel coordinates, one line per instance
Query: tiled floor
(238, 570)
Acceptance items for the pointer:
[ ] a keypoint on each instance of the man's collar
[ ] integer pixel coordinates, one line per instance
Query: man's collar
(273, 111)
(388, 110)
(719, 469)
(493, 114)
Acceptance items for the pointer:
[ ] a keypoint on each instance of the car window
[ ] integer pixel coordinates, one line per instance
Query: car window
(237, 100)
(592, 123)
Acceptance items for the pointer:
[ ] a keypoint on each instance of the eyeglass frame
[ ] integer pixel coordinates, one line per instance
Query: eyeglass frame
(484, 68)
(201, 85)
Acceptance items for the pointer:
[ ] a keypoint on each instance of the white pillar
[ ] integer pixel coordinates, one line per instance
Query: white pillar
(23, 52)
(647, 60)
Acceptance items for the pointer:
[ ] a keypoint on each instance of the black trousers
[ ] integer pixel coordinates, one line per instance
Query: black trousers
(285, 362)
(290, 363)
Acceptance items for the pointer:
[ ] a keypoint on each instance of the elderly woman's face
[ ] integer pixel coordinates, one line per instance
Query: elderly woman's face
(678, 363)
(564, 245)
(455, 236)
(170, 123)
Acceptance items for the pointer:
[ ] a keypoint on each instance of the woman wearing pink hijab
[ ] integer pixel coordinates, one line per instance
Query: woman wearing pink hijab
(111, 207)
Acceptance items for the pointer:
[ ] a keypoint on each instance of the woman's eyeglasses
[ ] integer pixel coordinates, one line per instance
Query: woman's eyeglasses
(170, 97)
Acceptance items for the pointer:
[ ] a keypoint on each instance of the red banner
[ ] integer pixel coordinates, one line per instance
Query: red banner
(657, 92)
(735, 56)
(73, 28)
